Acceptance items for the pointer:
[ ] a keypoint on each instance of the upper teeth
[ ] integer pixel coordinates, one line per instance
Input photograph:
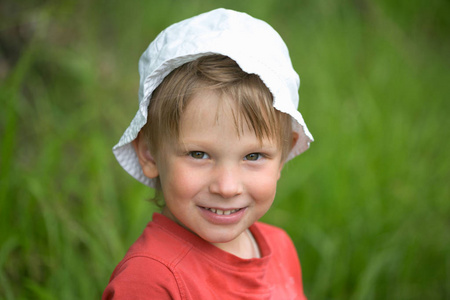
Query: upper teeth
(222, 212)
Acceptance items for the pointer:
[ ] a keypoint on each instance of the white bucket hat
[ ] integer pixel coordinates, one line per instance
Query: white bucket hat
(253, 44)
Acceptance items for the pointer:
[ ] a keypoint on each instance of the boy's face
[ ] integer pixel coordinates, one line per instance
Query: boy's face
(216, 183)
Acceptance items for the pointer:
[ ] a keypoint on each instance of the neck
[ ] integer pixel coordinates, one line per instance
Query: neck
(244, 246)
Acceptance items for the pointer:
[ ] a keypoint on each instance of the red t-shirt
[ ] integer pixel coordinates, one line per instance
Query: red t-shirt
(169, 262)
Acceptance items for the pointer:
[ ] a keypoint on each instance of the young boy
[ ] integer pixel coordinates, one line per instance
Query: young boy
(216, 122)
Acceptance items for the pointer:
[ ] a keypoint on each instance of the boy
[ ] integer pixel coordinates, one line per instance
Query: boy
(217, 120)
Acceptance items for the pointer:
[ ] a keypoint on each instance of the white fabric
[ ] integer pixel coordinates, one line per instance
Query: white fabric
(253, 44)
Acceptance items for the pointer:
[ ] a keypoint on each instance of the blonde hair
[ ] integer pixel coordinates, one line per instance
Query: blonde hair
(254, 102)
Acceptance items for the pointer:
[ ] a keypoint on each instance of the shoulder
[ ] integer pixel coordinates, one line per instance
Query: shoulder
(142, 277)
(148, 270)
(285, 271)
(276, 238)
(163, 243)
(271, 232)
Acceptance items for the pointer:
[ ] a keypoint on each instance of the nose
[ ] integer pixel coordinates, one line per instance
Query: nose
(226, 182)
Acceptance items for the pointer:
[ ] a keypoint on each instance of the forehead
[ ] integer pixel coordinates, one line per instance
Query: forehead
(209, 123)
(210, 108)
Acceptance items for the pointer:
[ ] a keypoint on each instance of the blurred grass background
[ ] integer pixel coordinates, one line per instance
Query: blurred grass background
(367, 206)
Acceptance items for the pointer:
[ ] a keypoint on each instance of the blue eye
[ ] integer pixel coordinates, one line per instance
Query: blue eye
(198, 154)
(252, 156)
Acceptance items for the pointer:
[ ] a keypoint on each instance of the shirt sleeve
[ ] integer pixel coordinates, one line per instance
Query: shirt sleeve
(142, 278)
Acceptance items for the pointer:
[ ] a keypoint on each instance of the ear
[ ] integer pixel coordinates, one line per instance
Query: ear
(146, 160)
(295, 137)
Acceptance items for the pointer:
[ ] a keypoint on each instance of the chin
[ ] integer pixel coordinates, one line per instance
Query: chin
(220, 237)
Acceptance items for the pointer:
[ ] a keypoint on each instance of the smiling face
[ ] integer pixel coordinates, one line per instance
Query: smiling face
(217, 181)
(215, 145)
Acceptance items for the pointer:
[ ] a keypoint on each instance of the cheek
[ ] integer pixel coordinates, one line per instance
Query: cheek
(180, 183)
(265, 188)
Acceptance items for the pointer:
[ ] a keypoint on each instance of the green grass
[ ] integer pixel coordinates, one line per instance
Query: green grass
(367, 206)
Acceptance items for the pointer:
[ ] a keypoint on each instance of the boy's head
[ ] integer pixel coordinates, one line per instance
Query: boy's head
(252, 107)
(234, 55)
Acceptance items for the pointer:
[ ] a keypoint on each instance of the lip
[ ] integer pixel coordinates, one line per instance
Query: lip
(217, 219)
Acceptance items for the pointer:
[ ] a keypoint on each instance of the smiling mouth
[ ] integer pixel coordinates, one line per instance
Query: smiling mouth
(223, 212)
